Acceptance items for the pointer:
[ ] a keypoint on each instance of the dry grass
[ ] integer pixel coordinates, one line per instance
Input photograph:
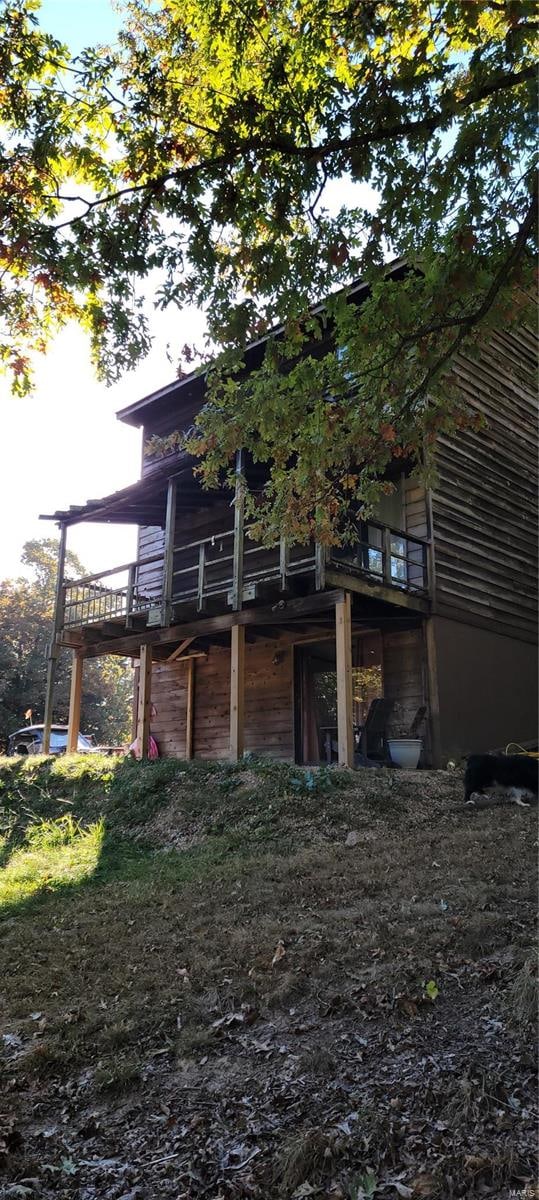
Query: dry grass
(145, 992)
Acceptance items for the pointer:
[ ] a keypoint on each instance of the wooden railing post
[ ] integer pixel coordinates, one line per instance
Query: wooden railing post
(343, 643)
(130, 596)
(144, 700)
(58, 621)
(237, 691)
(239, 506)
(320, 557)
(75, 696)
(386, 556)
(201, 576)
(168, 562)
(283, 563)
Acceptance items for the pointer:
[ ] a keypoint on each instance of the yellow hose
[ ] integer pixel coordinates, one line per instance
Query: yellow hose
(514, 748)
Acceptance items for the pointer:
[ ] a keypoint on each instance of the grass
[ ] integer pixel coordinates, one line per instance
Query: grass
(142, 906)
(55, 854)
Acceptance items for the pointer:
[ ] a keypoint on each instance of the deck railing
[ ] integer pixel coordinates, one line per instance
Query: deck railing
(212, 567)
(88, 601)
(386, 555)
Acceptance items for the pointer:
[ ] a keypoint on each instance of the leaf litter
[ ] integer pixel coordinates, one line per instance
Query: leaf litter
(294, 1020)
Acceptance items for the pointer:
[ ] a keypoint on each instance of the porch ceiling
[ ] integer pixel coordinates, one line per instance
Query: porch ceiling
(143, 502)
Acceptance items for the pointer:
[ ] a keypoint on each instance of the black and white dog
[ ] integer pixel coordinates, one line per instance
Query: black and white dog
(517, 772)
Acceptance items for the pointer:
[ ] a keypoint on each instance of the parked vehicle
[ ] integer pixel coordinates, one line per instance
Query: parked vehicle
(29, 740)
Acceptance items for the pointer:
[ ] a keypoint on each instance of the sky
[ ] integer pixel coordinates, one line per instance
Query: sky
(63, 445)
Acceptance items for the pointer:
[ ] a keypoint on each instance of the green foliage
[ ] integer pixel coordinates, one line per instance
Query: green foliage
(431, 990)
(204, 152)
(26, 612)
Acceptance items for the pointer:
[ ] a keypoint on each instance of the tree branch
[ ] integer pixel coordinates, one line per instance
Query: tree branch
(315, 153)
(467, 323)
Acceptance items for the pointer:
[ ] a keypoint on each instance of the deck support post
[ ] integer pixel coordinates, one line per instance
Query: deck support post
(75, 696)
(239, 507)
(237, 691)
(54, 648)
(168, 563)
(134, 706)
(283, 564)
(343, 642)
(144, 700)
(319, 567)
(190, 709)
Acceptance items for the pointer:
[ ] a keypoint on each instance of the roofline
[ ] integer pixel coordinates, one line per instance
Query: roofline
(131, 412)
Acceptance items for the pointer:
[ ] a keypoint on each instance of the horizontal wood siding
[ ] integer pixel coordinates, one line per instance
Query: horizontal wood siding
(151, 540)
(269, 720)
(485, 503)
(269, 699)
(169, 697)
(203, 523)
(415, 509)
(269, 696)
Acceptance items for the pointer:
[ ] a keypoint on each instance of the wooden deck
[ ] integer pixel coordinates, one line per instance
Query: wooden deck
(226, 571)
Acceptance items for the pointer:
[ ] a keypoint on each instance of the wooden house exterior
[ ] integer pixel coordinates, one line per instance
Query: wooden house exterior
(279, 651)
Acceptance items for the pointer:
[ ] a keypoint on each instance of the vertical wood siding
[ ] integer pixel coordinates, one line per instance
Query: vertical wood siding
(485, 503)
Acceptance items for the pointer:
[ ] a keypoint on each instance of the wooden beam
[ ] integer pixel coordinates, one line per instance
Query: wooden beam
(237, 691)
(168, 561)
(343, 643)
(58, 621)
(75, 696)
(180, 649)
(190, 710)
(298, 606)
(144, 700)
(377, 591)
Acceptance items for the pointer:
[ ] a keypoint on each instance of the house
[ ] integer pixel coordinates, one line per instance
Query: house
(280, 651)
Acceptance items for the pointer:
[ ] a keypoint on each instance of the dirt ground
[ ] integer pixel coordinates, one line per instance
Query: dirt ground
(275, 988)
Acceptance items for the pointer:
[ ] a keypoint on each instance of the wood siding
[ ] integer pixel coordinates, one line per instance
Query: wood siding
(269, 696)
(200, 524)
(484, 507)
(404, 671)
(415, 509)
(269, 719)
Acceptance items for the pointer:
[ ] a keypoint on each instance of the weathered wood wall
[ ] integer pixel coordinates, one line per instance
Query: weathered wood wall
(204, 523)
(269, 696)
(485, 503)
(269, 716)
(415, 509)
(403, 672)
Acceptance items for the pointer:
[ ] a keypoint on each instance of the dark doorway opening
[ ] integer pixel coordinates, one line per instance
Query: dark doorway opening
(316, 694)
